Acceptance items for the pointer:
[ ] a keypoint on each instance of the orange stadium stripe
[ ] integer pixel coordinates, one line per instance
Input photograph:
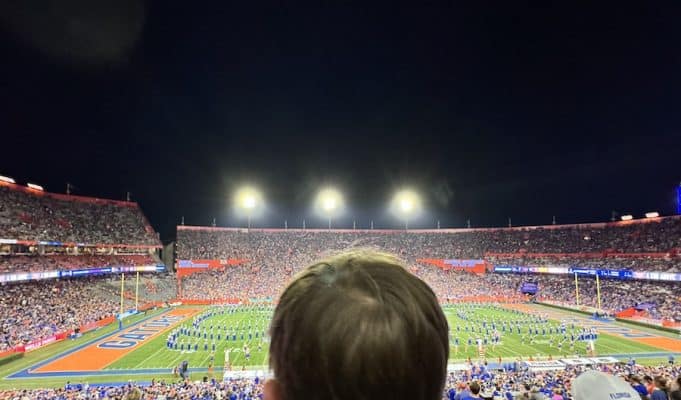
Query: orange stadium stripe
(104, 352)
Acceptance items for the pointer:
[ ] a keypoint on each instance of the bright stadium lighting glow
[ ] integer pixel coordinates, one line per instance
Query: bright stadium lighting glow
(626, 217)
(6, 179)
(329, 203)
(652, 214)
(248, 200)
(35, 187)
(406, 205)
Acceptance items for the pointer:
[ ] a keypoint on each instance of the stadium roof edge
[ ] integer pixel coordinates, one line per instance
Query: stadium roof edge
(68, 197)
(448, 230)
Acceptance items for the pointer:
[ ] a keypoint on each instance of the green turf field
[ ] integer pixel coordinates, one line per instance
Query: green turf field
(251, 321)
(466, 321)
(228, 323)
(513, 345)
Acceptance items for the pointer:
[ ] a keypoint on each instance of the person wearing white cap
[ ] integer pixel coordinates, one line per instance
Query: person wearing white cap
(596, 385)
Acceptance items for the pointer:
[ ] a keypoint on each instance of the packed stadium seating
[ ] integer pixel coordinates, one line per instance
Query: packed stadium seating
(514, 383)
(273, 256)
(37, 310)
(661, 235)
(30, 215)
(117, 234)
(153, 288)
(450, 286)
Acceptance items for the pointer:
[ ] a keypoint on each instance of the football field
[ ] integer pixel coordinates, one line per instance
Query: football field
(150, 346)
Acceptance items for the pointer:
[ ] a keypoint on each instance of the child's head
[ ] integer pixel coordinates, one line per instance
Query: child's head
(358, 326)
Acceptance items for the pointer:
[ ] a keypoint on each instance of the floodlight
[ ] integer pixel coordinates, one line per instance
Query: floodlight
(248, 200)
(627, 217)
(35, 187)
(329, 203)
(405, 205)
(652, 214)
(6, 179)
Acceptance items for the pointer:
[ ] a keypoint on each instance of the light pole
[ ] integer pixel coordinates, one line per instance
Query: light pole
(329, 203)
(249, 205)
(329, 208)
(247, 201)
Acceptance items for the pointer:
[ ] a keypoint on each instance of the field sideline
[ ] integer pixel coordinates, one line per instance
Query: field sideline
(151, 358)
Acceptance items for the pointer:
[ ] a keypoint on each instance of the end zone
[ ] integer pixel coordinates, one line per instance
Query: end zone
(96, 355)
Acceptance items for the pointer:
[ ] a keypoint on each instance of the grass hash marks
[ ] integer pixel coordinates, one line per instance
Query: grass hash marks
(479, 318)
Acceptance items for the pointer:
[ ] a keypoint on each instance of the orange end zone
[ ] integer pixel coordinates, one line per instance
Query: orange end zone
(662, 342)
(98, 355)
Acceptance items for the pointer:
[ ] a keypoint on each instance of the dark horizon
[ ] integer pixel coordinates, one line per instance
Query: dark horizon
(490, 112)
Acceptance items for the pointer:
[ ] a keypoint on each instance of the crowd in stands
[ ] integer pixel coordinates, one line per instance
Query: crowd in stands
(616, 295)
(35, 310)
(235, 389)
(272, 257)
(40, 309)
(38, 263)
(661, 235)
(155, 288)
(39, 216)
(492, 384)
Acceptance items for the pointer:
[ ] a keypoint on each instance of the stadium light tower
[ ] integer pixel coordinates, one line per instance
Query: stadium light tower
(405, 205)
(329, 203)
(248, 200)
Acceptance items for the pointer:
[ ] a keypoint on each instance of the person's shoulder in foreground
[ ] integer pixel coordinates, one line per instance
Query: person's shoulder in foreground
(358, 326)
(596, 385)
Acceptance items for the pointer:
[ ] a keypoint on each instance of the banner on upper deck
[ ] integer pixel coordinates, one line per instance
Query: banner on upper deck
(475, 266)
(32, 276)
(188, 267)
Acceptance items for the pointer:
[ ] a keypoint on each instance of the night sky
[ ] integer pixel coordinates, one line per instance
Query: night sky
(489, 109)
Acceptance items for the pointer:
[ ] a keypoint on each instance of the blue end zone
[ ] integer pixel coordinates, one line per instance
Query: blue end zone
(26, 373)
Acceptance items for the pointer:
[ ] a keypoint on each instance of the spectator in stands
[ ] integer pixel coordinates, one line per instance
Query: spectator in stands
(661, 390)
